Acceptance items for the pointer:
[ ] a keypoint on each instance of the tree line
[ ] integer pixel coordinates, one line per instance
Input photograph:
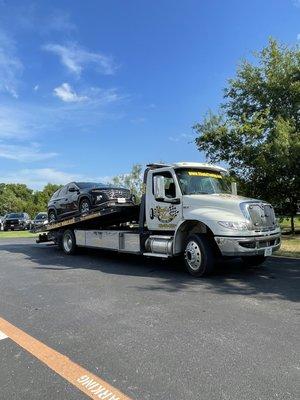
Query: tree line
(17, 197)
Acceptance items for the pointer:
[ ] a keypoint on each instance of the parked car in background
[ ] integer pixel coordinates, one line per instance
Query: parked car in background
(39, 220)
(16, 221)
(80, 197)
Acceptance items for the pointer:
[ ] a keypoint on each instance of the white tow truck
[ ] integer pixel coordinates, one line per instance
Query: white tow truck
(188, 210)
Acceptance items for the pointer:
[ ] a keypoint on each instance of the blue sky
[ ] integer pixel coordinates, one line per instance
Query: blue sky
(87, 88)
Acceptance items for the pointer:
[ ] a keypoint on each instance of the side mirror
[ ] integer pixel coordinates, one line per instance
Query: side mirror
(233, 188)
(72, 189)
(159, 187)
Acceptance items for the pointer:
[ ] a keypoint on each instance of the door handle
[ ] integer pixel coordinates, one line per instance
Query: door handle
(151, 213)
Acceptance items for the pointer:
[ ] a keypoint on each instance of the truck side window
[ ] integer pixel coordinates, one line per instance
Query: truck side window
(170, 188)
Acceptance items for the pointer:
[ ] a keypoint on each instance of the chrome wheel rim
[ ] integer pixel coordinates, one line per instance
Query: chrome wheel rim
(192, 255)
(52, 218)
(67, 242)
(85, 207)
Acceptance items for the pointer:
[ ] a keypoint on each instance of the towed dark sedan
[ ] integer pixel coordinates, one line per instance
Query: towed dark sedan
(79, 198)
(16, 221)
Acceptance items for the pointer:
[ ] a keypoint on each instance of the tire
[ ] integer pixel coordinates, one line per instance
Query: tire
(52, 218)
(85, 206)
(199, 256)
(69, 242)
(252, 261)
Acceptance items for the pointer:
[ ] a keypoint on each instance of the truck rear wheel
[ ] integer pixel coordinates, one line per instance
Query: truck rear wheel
(198, 255)
(69, 242)
(252, 261)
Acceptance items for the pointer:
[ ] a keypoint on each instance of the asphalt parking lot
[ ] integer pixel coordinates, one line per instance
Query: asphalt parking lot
(147, 328)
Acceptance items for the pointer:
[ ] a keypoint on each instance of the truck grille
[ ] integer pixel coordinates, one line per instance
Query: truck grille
(262, 216)
(117, 193)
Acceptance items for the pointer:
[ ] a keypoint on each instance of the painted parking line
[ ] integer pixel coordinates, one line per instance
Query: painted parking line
(3, 336)
(88, 383)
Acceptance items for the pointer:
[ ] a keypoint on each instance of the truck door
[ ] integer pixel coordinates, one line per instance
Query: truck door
(163, 214)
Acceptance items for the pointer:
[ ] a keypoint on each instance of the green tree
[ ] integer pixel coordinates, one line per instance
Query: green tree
(257, 130)
(132, 181)
(16, 197)
(9, 201)
(41, 198)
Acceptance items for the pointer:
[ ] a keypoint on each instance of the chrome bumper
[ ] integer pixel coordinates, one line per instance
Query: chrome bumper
(247, 246)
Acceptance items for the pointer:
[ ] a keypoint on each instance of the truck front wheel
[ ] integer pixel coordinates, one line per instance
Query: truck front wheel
(69, 242)
(199, 256)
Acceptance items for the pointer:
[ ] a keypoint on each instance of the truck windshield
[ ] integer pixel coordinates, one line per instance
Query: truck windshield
(201, 182)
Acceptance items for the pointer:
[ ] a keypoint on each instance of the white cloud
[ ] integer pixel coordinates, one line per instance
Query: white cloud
(90, 96)
(10, 66)
(104, 96)
(76, 58)
(67, 94)
(31, 16)
(15, 123)
(58, 21)
(37, 178)
(23, 121)
(24, 153)
(298, 36)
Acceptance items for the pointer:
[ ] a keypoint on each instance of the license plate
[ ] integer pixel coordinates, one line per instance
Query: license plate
(268, 251)
(121, 200)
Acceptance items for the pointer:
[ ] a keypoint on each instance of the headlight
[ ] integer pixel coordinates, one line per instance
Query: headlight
(236, 225)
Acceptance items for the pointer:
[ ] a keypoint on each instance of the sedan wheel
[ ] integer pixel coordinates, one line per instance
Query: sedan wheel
(85, 206)
(52, 217)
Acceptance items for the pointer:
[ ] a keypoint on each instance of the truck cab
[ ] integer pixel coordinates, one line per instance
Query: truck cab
(194, 204)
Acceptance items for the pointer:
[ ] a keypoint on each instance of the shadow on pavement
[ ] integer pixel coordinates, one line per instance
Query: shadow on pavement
(277, 278)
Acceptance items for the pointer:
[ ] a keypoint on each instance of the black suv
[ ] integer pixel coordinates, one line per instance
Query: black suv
(79, 198)
(16, 221)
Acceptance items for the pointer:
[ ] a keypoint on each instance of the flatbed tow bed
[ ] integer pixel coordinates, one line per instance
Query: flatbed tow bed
(97, 218)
